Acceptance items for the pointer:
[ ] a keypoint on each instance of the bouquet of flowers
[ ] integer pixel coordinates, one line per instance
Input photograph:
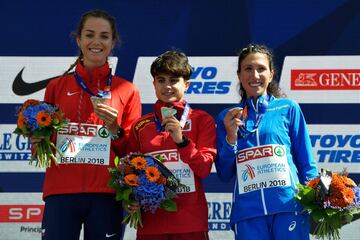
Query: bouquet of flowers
(143, 180)
(331, 199)
(41, 120)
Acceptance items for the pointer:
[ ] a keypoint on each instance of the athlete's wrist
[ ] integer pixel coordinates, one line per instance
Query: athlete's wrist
(118, 133)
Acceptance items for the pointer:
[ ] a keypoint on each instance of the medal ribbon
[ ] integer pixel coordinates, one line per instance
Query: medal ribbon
(262, 106)
(100, 94)
(160, 128)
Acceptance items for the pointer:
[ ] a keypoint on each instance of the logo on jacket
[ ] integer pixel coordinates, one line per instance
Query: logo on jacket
(187, 127)
(292, 226)
(248, 172)
(22, 88)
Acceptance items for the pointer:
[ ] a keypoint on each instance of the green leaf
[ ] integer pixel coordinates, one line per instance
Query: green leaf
(335, 221)
(116, 161)
(318, 214)
(124, 194)
(305, 195)
(348, 217)
(331, 211)
(160, 158)
(169, 205)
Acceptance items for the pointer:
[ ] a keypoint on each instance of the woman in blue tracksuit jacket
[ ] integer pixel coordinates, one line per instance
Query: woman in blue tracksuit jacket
(264, 142)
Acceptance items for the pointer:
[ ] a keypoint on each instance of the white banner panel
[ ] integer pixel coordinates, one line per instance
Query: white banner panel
(214, 80)
(15, 151)
(22, 78)
(219, 205)
(321, 79)
(336, 147)
(20, 216)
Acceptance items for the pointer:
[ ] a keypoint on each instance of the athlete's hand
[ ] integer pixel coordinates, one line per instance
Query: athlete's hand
(172, 126)
(232, 122)
(108, 115)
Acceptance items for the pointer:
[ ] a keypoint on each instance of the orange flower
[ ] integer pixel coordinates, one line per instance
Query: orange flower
(152, 174)
(313, 183)
(43, 118)
(21, 120)
(342, 198)
(347, 181)
(138, 162)
(131, 180)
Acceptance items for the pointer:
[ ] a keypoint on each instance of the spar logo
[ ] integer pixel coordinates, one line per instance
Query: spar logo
(167, 155)
(248, 172)
(279, 151)
(325, 79)
(21, 213)
(68, 144)
(255, 153)
(79, 129)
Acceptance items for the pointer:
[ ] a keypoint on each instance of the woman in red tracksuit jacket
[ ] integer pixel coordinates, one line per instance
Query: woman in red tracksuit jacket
(186, 142)
(75, 191)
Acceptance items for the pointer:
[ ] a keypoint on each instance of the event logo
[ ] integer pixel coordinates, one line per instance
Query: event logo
(248, 172)
(68, 144)
(321, 79)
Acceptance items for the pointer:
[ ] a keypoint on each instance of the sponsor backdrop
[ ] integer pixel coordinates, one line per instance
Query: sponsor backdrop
(317, 58)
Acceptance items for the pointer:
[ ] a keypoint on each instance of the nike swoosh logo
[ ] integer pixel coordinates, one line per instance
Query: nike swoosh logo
(110, 235)
(22, 88)
(71, 93)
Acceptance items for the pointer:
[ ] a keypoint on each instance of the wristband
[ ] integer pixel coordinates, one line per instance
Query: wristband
(118, 134)
(184, 143)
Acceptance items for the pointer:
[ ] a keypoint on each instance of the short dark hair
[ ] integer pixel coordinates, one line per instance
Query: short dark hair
(172, 62)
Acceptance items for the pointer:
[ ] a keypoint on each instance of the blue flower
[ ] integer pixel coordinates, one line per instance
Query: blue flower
(149, 194)
(357, 195)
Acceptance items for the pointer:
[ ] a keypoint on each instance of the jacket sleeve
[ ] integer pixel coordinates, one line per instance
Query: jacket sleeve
(301, 146)
(132, 111)
(225, 163)
(133, 141)
(200, 153)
